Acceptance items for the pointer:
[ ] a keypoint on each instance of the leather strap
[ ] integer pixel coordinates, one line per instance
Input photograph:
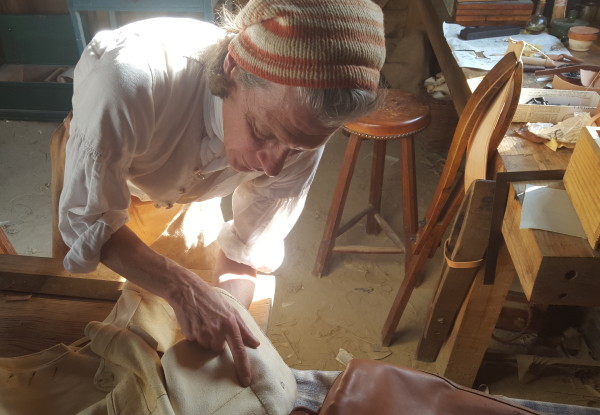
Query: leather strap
(459, 264)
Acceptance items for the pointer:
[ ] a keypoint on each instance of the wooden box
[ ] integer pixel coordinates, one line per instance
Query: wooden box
(553, 268)
(582, 181)
(492, 13)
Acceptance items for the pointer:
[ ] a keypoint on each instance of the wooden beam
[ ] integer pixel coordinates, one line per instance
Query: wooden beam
(29, 324)
(462, 354)
(38, 275)
(430, 13)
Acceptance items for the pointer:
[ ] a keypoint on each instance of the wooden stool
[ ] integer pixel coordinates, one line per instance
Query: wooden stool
(401, 116)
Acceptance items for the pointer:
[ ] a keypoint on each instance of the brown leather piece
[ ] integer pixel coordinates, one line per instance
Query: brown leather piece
(401, 113)
(369, 387)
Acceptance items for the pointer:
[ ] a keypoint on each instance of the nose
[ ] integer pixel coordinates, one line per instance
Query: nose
(272, 160)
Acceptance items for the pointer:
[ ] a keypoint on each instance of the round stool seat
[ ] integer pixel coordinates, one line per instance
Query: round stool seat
(401, 114)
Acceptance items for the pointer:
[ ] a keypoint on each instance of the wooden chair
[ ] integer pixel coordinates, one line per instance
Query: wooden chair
(401, 116)
(481, 127)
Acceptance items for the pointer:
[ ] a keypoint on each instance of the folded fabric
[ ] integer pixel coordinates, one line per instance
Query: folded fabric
(123, 370)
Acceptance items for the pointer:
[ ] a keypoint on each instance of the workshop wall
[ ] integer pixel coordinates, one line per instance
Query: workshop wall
(407, 53)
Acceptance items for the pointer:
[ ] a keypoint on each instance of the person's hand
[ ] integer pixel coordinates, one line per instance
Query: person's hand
(207, 319)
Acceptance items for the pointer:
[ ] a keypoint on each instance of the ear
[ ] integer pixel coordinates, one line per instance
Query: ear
(229, 65)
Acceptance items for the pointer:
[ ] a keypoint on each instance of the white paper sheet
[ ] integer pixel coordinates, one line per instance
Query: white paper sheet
(485, 53)
(550, 210)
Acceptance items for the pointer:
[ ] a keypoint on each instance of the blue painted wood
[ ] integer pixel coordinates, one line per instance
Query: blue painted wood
(168, 6)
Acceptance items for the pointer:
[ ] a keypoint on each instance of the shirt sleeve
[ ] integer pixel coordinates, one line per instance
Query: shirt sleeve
(112, 109)
(265, 210)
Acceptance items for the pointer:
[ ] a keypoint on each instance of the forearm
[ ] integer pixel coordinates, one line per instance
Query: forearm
(127, 255)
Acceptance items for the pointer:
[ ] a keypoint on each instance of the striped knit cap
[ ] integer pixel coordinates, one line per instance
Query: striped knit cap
(311, 43)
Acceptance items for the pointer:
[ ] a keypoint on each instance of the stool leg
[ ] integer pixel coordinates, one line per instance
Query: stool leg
(410, 212)
(378, 164)
(337, 205)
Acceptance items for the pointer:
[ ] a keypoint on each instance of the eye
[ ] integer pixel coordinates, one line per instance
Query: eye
(253, 128)
(261, 134)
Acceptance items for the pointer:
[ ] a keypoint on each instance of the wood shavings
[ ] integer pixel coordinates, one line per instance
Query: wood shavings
(344, 357)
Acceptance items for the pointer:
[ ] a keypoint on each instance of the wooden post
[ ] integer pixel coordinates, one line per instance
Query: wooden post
(461, 356)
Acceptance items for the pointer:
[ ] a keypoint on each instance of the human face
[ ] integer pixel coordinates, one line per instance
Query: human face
(264, 126)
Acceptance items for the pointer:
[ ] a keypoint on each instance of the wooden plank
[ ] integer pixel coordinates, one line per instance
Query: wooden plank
(553, 268)
(33, 7)
(260, 310)
(365, 249)
(491, 22)
(489, 1)
(476, 13)
(29, 325)
(495, 5)
(47, 276)
(58, 143)
(582, 181)
(5, 246)
(462, 354)
(467, 242)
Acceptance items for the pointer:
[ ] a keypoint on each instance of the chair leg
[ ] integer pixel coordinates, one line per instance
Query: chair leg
(378, 164)
(337, 206)
(410, 212)
(403, 296)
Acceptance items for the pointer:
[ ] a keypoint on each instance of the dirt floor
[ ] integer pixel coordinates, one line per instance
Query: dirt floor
(314, 321)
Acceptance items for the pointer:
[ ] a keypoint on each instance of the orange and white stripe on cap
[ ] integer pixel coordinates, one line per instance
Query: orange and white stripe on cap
(311, 43)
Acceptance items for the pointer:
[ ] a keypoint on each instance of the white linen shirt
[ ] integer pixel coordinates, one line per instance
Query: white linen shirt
(145, 122)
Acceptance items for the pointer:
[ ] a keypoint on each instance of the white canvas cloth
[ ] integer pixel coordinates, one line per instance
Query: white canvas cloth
(137, 362)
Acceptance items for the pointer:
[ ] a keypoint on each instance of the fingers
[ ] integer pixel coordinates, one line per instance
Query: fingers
(217, 344)
(247, 336)
(240, 357)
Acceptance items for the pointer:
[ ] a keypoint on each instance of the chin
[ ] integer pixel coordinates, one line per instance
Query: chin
(240, 167)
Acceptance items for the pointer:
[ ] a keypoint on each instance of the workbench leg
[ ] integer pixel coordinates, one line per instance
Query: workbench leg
(413, 20)
(461, 356)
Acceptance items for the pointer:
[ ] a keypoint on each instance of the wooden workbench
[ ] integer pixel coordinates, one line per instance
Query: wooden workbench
(42, 305)
(551, 268)
(428, 16)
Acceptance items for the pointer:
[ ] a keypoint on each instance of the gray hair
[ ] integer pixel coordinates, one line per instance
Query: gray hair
(331, 106)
